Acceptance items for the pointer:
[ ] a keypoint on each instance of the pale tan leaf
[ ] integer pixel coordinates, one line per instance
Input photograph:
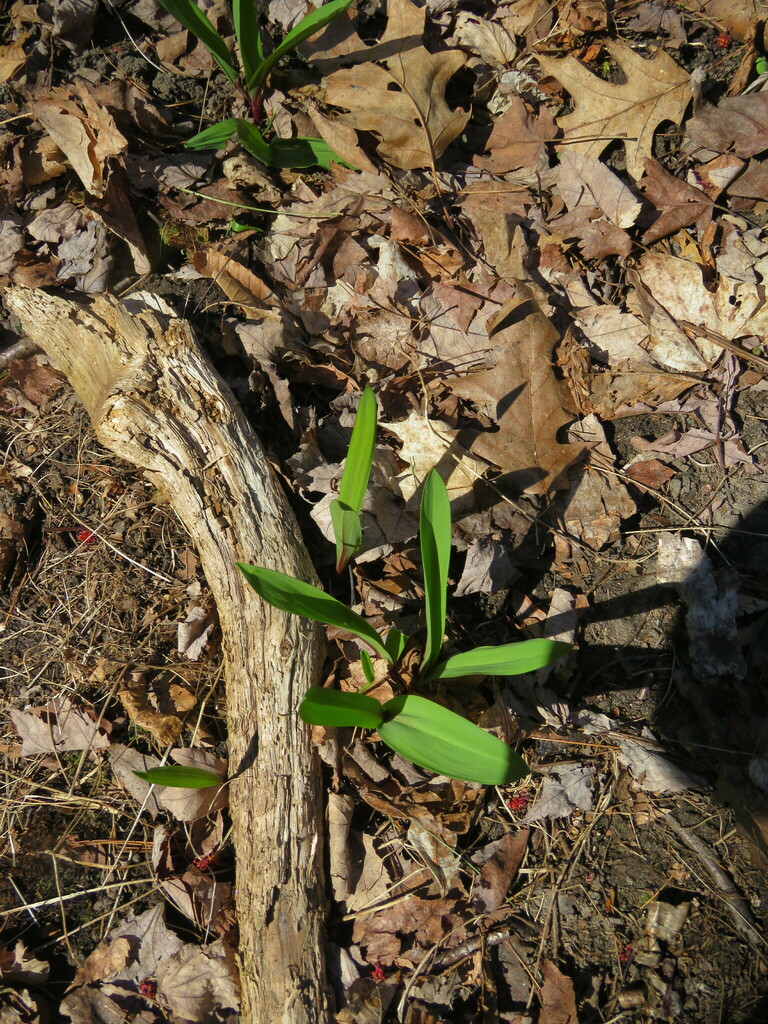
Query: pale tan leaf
(56, 727)
(83, 130)
(196, 982)
(655, 90)
(237, 282)
(488, 39)
(425, 444)
(584, 181)
(12, 59)
(404, 101)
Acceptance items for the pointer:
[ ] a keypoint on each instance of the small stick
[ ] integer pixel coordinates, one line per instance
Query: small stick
(738, 906)
(19, 350)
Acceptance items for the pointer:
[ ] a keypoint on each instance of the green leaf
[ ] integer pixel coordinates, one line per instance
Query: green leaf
(300, 598)
(368, 670)
(435, 738)
(214, 137)
(181, 778)
(297, 153)
(504, 660)
(253, 141)
(334, 707)
(307, 27)
(357, 467)
(347, 531)
(435, 540)
(396, 642)
(248, 36)
(345, 510)
(192, 18)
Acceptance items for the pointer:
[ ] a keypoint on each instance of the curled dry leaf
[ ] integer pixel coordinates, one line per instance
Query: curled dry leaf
(83, 130)
(134, 696)
(237, 282)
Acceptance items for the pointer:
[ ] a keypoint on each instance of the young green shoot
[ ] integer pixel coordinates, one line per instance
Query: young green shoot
(422, 730)
(345, 510)
(251, 80)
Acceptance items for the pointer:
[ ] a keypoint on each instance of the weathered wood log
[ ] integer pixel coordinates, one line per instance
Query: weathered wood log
(156, 401)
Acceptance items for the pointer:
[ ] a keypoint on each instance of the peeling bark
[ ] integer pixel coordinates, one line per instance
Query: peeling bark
(155, 400)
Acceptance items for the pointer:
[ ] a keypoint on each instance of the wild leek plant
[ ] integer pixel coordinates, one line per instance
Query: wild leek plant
(345, 510)
(251, 80)
(417, 728)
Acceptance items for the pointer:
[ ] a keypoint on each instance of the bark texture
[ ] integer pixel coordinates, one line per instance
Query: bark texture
(156, 401)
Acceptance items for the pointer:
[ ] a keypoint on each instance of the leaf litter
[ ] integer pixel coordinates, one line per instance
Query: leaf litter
(550, 267)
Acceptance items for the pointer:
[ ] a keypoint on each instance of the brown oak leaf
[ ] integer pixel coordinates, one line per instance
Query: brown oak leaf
(522, 395)
(655, 90)
(402, 99)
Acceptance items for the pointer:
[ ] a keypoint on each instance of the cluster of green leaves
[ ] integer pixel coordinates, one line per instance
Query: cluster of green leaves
(419, 729)
(295, 153)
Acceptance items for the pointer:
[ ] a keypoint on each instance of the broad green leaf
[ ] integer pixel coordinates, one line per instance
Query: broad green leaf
(345, 510)
(248, 36)
(334, 707)
(192, 18)
(214, 137)
(435, 540)
(505, 660)
(181, 778)
(435, 738)
(253, 141)
(368, 670)
(300, 598)
(307, 27)
(297, 153)
(357, 467)
(347, 532)
(396, 642)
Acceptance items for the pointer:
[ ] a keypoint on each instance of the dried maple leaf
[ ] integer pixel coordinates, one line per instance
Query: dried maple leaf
(525, 398)
(656, 90)
(402, 101)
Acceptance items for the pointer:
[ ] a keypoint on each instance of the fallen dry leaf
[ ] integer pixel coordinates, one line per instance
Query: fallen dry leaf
(563, 790)
(656, 90)
(557, 996)
(584, 181)
(198, 981)
(498, 862)
(488, 39)
(738, 124)
(57, 727)
(675, 290)
(597, 502)
(424, 444)
(678, 204)
(83, 130)
(517, 140)
(237, 282)
(525, 398)
(404, 102)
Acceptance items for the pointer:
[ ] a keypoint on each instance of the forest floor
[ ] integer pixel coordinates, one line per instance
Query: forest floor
(547, 257)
